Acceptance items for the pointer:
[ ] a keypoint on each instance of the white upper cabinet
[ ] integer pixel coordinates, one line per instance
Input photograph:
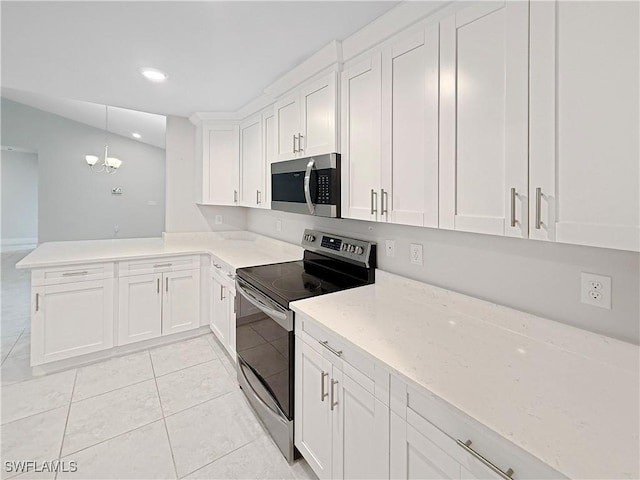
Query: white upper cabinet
(484, 61)
(252, 163)
(360, 122)
(584, 151)
(410, 76)
(305, 120)
(220, 161)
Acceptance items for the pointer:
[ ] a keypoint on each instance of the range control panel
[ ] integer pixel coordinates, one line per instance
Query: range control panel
(348, 249)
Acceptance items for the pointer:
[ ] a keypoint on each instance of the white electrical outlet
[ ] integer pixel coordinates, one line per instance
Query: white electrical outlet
(415, 252)
(218, 219)
(278, 225)
(595, 290)
(390, 248)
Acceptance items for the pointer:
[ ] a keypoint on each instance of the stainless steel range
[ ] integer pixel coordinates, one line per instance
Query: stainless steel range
(265, 323)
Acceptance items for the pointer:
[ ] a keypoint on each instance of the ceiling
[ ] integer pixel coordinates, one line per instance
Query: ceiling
(218, 55)
(122, 121)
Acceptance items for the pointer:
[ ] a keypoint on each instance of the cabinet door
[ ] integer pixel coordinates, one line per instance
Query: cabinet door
(71, 319)
(361, 91)
(484, 119)
(414, 456)
(313, 414)
(318, 117)
(181, 301)
(251, 163)
(410, 76)
(585, 131)
(221, 151)
(139, 308)
(269, 149)
(287, 112)
(360, 430)
(219, 322)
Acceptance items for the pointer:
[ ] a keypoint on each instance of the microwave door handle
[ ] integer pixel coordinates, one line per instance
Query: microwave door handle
(307, 183)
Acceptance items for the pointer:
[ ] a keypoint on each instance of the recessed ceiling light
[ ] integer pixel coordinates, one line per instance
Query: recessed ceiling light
(153, 74)
(136, 135)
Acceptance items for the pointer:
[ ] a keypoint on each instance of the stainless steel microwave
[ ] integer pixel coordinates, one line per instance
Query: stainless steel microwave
(307, 185)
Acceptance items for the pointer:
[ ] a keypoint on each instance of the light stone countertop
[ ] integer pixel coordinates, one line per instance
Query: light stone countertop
(236, 249)
(567, 396)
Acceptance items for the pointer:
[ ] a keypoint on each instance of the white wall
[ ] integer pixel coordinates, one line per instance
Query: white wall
(537, 277)
(183, 215)
(19, 199)
(75, 203)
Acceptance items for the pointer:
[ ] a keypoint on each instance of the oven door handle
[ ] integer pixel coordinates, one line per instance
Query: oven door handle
(256, 302)
(307, 183)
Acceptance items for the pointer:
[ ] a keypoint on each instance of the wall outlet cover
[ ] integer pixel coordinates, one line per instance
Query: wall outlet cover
(390, 248)
(218, 219)
(415, 253)
(595, 290)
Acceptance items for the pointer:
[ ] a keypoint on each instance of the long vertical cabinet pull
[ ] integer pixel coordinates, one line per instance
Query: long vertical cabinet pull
(538, 208)
(374, 201)
(333, 384)
(384, 202)
(158, 287)
(323, 393)
(235, 196)
(300, 137)
(37, 302)
(513, 207)
(166, 284)
(221, 292)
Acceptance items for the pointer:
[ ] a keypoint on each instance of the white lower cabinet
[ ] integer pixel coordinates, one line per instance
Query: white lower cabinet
(341, 428)
(223, 315)
(155, 304)
(71, 319)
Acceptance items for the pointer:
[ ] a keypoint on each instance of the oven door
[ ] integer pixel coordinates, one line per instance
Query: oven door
(264, 345)
(307, 185)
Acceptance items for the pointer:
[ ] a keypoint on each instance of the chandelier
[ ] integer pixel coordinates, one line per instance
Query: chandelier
(109, 164)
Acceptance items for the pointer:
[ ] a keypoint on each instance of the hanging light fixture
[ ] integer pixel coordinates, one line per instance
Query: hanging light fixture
(109, 164)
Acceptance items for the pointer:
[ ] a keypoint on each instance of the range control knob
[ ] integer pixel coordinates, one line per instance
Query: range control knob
(359, 250)
(312, 238)
(352, 248)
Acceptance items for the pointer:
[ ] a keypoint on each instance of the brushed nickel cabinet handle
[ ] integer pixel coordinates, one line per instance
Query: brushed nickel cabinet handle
(221, 292)
(508, 475)
(166, 284)
(294, 144)
(538, 208)
(333, 384)
(300, 137)
(235, 196)
(323, 394)
(384, 206)
(326, 345)
(513, 207)
(374, 201)
(37, 302)
(73, 274)
(158, 286)
(160, 265)
(257, 197)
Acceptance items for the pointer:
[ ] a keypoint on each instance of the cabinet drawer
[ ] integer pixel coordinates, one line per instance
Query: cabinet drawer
(223, 276)
(331, 341)
(158, 264)
(444, 426)
(72, 273)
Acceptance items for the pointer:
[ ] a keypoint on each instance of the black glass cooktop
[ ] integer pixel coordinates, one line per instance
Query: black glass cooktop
(291, 281)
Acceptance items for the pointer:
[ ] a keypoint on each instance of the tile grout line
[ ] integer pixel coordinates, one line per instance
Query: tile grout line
(164, 418)
(66, 422)
(13, 346)
(219, 458)
(201, 403)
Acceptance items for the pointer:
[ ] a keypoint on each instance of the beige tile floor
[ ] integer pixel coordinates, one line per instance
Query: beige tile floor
(171, 412)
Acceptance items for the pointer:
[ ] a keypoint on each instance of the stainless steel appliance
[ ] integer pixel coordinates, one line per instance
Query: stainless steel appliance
(307, 185)
(265, 323)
